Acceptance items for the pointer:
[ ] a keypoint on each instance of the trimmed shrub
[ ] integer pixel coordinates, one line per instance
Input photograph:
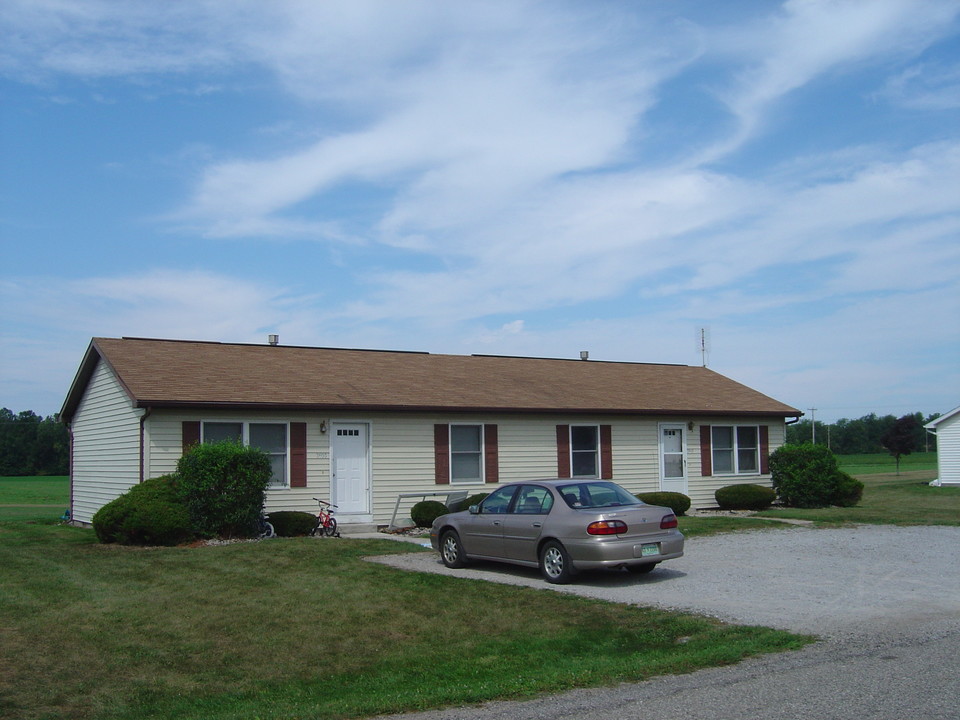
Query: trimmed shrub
(426, 511)
(148, 514)
(223, 486)
(467, 502)
(745, 497)
(849, 490)
(292, 523)
(809, 476)
(678, 502)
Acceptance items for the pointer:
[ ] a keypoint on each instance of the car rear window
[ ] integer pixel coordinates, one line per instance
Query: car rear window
(583, 495)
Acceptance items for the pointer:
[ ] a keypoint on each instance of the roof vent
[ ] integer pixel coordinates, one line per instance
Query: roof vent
(273, 339)
(584, 354)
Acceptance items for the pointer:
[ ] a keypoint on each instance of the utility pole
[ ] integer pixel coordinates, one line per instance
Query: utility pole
(813, 425)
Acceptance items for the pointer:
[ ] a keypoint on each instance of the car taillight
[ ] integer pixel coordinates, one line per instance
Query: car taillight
(607, 527)
(668, 521)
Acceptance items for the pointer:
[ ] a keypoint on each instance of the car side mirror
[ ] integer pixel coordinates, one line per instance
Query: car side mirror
(474, 509)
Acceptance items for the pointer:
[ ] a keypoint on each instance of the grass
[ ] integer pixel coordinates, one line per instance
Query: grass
(889, 499)
(301, 627)
(869, 464)
(46, 490)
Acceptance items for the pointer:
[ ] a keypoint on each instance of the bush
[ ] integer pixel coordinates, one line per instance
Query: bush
(148, 514)
(223, 486)
(809, 476)
(426, 511)
(745, 497)
(849, 490)
(467, 502)
(292, 523)
(678, 502)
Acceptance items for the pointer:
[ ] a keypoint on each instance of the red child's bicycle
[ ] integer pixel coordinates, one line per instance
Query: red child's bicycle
(326, 522)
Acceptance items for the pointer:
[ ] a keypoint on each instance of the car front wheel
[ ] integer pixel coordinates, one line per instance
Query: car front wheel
(451, 551)
(555, 565)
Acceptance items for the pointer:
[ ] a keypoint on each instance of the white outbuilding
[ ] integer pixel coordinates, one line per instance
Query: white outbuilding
(947, 429)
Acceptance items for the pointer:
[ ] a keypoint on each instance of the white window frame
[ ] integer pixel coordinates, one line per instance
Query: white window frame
(735, 450)
(596, 452)
(482, 455)
(245, 441)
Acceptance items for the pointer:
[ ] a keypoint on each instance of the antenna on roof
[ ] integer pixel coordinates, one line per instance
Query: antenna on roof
(273, 339)
(703, 343)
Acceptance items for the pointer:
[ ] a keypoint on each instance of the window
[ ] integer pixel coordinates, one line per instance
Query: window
(584, 451)
(596, 495)
(736, 449)
(269, 437)
(466, 453)
(533, 500)
(498, 502)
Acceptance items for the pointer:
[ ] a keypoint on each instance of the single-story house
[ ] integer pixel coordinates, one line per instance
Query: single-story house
(361, 427)
(947, 429)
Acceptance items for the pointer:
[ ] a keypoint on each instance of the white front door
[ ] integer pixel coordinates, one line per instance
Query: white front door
(673, 458)
(350, 468)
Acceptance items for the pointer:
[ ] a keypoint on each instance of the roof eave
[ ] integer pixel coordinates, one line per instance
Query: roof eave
(458, 409)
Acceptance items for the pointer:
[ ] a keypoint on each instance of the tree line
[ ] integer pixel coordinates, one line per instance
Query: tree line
(32, 445)
(869, 434)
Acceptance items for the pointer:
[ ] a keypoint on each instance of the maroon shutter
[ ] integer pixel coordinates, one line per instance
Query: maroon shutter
(298, 454)
(491, 454)
(706, 455)
(441, 453)
(190, 433)
(606, 452)
(764, 449)
(563, 451)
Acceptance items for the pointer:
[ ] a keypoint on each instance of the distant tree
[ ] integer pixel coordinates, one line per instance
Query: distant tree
(32, 445)
(901, 438)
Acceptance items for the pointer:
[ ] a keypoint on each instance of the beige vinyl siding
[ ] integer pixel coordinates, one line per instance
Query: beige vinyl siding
(164, 440)
(701, 488)
(402, 453)
(106, 445)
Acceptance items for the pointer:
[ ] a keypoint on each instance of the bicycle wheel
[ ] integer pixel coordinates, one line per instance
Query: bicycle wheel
(330, 529)
(268, 530)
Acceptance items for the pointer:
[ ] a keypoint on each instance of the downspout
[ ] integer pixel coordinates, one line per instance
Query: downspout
(143, 419)
(70, 464)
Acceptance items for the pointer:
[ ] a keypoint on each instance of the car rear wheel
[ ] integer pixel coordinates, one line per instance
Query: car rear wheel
(642, 569)
(555, 565)
(451, 551)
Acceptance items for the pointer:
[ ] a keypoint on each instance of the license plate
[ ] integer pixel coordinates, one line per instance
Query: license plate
(648, 549)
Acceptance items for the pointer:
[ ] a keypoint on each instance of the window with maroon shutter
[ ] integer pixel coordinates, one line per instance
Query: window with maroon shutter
(491, 454)
(190, 433)
(298, 454)
(764, 449)
(563, 451)
(706, 453)
(606, 452)
(441, 453)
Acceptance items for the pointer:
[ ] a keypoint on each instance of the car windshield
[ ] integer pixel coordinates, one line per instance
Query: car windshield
(596, 494)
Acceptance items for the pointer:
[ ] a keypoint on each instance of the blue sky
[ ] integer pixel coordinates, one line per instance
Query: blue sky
(517, 178)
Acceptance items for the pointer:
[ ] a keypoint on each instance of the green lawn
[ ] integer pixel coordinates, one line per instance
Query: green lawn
(304, 627)
(34, 498)
(883, 463)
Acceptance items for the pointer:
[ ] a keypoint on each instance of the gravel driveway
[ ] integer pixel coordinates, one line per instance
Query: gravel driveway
(832, 582)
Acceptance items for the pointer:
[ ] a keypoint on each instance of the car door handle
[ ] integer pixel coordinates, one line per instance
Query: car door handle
(496, 522)
(536, 525)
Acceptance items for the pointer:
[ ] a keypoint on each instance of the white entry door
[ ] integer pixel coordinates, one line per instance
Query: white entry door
(350, 468)
(673, 458)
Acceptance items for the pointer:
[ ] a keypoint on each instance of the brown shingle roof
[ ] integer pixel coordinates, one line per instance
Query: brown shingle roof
(171, 373)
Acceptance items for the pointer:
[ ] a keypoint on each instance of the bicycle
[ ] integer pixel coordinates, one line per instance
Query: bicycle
(265, 528)
(326, 522)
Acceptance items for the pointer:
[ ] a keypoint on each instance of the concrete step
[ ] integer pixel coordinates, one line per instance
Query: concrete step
(357, 528)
